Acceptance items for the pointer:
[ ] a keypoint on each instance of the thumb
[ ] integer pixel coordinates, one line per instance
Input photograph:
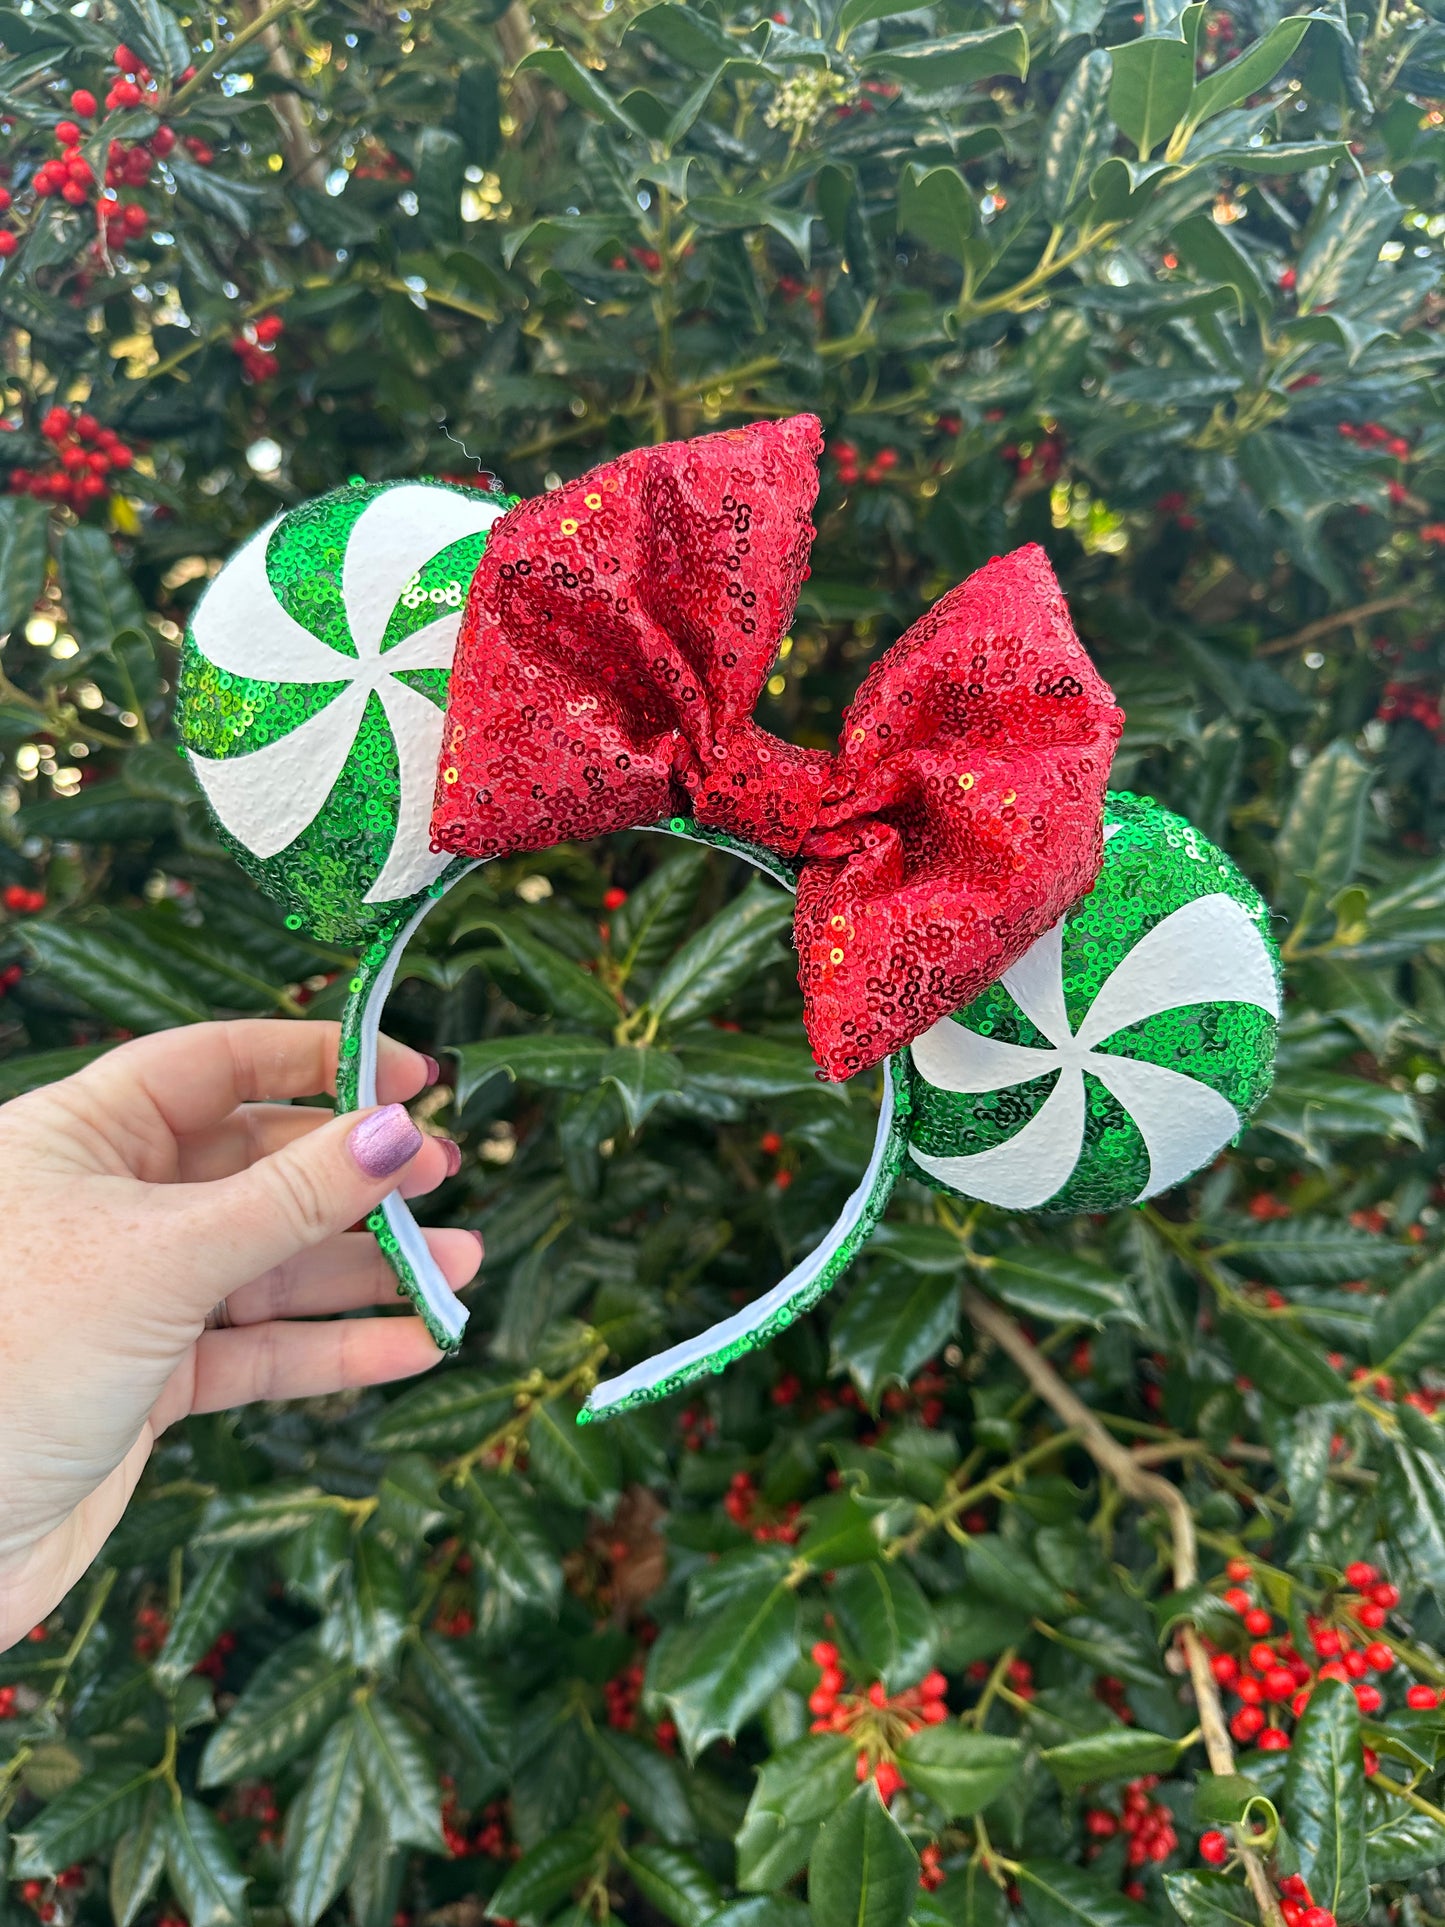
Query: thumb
(301, 1194)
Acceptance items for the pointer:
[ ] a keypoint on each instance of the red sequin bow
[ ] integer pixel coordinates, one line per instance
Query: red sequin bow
(618, 633)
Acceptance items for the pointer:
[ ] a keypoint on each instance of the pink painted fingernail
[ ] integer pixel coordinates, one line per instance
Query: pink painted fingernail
(433, 1068)
(454, 1156)
(385, 1141)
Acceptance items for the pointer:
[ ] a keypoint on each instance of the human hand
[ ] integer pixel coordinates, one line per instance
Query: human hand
(153, 1188)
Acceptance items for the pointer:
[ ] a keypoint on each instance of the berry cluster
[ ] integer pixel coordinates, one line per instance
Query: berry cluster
(1376, 435)
(255, 347)
(85, 454)
(257, 1803)
(488, 1837)
(1273, 1682)
(1412, 702)
(1045, 457)
(151, 1628)
(878, 470)
(37, 1893)
(22, 902)
(212, 1665)
(741, 1506)
(878, 1721)
(1147, 1824)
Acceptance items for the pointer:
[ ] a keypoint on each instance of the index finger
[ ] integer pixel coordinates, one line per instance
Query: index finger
(197, 1075)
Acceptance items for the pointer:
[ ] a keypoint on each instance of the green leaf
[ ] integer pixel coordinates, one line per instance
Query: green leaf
(749, 1067)
(1234, 82)
(863, 1870)
(797, 1789)
(238, 203)
(1402, 1845)
(647, 1780)
(580, 86)
(1078, 135)
(955, 61)
(517, 1552)
(891, 1322)
(291, 1698)
(740, 941)
(676, 1884)
(728, 1663)
(687, 35)
(447, 1413)
(1211, 1900)
(1307, 1106)
(323, 1828)
(261, 1518)
(1318, 847)
(649, 926)
(559, 1063)
(24, 549)
(1324, 1801)
(1151, 88)
(1116, 1754)
(546, 1875)
(1057, 1895)
(1291, 1370)
(936, 204)
(1004, 1571)
(375, 1605)
(81, 1821)
(1412, 1504)
(1342, 253)
(440, 171)
(126, 985)
(1216, 256)
(206, 1608)
(578, 1462)
(139, 1858)
(643, 1076)
(564, 988)
(960, 1770)
(1231, 1799)
(1050, 1283)
(1314, 1251)
(203, 1868)
(467, 1700)
(34, 1072)
(887, 1622)
(839, 1532)
(399, 1777)
(99, 598)
(1408, 1329)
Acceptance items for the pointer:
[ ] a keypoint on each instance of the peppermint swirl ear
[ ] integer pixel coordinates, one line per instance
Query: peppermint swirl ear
(1124, 1050)
(313, 685)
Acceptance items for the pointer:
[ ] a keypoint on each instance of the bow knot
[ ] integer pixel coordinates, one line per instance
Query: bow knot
(618, 634)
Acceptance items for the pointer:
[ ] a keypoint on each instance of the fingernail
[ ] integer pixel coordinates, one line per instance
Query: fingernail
(385, 1141)
(433, 1068)
(481, 1244)
(454, 1156)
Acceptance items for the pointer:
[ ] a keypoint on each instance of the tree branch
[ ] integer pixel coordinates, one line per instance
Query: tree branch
(1342, 618)
(1149, 1489)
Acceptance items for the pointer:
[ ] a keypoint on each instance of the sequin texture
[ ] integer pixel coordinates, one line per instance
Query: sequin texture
(617, 636)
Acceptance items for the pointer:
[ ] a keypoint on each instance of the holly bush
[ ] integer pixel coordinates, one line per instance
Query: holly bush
(1085, 1571)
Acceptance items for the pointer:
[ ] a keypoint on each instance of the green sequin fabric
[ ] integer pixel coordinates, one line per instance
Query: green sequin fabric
(323, 875)
(1154, 864)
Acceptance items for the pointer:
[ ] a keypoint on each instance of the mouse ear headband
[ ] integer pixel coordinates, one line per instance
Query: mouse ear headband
(1051, 1037)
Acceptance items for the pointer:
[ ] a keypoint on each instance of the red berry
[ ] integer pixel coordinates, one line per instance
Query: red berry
(269, 329)
(1359, 1574)
(1238, 1598)
(1100, 1824)
(1372, 1617)
(67, 133)
(1246, 1723)
(125, 93)
(825, 1653)
(1318, 1917)
(1262, 1657)
(888, 1779)
(1257, 1621)
(770, 1144)
(1378, 1657)
(1274, 1740)
(612, 899)
(1385, 1595)
(1279, 1683)
(82, 102)
(1225, 1668)
(1213, 1848)
(1250, 1689)
(1370, 1760)
(123, 58)
(1422, 1698)
(162, 141)
(135, 217)
(1326, 1642)
(87, 427)
(1368, 1698)
(9, 241)
(1238, 1570)
(1293, 1888)
(75, 193)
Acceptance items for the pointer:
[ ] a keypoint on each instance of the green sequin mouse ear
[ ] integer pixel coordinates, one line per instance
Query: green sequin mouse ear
(312, 693)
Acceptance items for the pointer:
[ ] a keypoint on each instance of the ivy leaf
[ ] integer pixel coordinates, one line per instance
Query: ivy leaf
(1324, 1801)
(323, 1828)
